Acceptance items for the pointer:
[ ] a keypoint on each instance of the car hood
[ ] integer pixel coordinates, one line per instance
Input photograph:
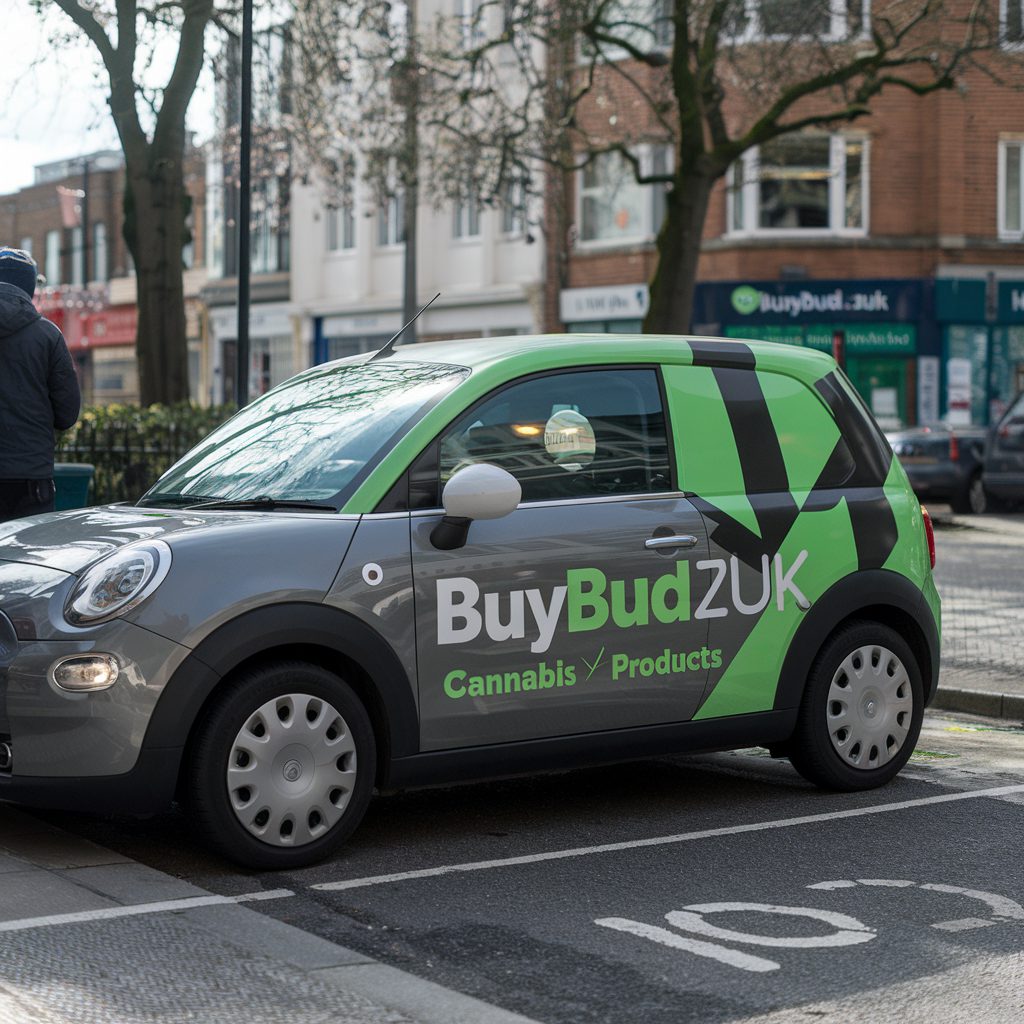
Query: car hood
(71, 541)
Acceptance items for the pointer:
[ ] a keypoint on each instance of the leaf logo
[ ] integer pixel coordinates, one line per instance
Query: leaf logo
(745, 300)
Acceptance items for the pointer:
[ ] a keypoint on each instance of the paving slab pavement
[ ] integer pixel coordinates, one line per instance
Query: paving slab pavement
(979, 573)
(88, 936)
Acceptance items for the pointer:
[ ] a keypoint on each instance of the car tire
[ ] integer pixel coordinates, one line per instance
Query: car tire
(976, 499)
(861, 710)
(282, 766)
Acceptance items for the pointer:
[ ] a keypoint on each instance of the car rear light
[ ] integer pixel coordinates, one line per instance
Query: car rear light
(954, 449)
(929, 532)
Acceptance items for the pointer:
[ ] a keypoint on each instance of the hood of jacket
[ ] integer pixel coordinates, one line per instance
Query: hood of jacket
(16, 310)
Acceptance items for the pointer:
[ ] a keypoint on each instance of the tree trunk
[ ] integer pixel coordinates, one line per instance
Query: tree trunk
(154, 229)
(671, 307)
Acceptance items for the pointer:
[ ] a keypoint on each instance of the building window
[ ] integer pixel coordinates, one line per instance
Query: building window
(1011, 189)
(341, 218)
(470, 15)
(341, 228)
(613, 206)
(513, 209)
(805, 183)
(99, 252)
(391, 221)
(26, 244)
(1011, 23)
(643, 25)
(466, 219)
(77, 257)
(828, 20)
(53, 258)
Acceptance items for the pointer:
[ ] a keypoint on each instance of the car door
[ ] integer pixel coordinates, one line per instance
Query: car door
(1004, 461)
(574, 613)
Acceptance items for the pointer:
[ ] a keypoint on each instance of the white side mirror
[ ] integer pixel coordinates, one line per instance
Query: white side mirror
(481, 491)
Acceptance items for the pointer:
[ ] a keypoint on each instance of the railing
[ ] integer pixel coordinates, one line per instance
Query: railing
(132, 447)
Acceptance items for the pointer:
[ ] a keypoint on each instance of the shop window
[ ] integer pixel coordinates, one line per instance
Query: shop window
(1011, 23)
(801, 183)
(609, 440)
(1011, 189)
(614, 206)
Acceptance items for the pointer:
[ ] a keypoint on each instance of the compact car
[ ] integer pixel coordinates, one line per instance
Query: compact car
(944, 464)
(1003, 478)
(468, 559)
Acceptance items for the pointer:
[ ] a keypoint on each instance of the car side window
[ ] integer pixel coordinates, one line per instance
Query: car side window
(582, 434)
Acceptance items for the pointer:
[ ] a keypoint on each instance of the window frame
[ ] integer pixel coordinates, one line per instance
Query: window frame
(746, 197)
(839, 16)
(649, 230)
(1004, 233)
(467, 217)
(390, 222)
(1004, 16)
(424, 471)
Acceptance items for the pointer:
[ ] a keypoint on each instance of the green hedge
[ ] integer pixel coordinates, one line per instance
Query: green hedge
(131, 447)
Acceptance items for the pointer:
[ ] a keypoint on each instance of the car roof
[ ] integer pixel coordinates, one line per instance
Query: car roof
(580, 349)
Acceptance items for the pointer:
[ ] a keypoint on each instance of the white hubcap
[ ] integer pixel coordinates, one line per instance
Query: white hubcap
(291, 770)
(870, 705)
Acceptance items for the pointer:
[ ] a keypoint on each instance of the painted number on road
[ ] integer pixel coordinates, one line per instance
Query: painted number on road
(842, 930)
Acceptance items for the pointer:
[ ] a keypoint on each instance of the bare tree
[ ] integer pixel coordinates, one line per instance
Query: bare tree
(150, 123)
(548, 86)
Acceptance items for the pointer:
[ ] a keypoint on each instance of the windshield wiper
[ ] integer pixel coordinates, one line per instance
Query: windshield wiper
(262, 502)
(171, 498)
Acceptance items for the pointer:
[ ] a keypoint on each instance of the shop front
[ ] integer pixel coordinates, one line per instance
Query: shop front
(883, 327)
(981, 320)
(618, 309)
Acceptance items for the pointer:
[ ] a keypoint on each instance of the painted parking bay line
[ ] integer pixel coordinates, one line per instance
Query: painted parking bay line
(684, 837)
(135, 910)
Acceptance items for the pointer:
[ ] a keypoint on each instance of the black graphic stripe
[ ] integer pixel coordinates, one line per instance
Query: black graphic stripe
(708, 352)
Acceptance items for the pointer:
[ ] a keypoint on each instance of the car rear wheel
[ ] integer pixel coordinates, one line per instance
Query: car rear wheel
(282, 767)
(861, 711)
(978, 501)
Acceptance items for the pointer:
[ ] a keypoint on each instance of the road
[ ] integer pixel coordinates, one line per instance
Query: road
(719, 888)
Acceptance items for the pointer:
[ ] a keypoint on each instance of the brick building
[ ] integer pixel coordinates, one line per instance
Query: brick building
(90, 284)
(903, 231)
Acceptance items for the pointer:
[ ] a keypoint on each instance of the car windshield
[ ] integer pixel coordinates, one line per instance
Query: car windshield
(312, 439)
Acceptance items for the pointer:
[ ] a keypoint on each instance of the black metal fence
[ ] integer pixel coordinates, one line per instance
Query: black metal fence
(132, 447)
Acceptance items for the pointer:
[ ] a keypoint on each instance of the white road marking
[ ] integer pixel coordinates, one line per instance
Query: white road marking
(684, 837)
(849, 931)
(732, 957)
(965, 923)
(1002, 906)
(840, 883)
(164, 906)
(887, 883)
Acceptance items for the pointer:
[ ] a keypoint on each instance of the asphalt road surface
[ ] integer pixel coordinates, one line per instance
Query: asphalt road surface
(719, 888)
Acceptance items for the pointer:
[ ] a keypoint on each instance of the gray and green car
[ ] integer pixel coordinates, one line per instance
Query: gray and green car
(469, 559)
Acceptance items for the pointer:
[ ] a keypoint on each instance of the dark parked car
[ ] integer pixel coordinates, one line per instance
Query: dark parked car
(944, 464)
(1004, 458)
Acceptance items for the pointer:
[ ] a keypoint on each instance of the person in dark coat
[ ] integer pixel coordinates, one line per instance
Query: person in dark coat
(38, 391)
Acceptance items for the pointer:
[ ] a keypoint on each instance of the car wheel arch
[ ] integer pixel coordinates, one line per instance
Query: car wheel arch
(318, 634)
(877, 595)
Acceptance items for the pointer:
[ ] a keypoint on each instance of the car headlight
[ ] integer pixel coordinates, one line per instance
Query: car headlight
(117, 583)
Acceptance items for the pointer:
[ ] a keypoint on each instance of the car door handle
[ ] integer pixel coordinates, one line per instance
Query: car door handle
(681, 540)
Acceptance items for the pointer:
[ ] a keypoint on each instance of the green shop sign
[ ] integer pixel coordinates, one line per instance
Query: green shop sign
(866, 339)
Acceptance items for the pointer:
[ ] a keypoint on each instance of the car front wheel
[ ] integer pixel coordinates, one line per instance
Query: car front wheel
(282, 767)
(861, 711)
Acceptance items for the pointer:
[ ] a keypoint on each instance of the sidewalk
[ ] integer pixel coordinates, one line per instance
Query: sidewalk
(979, 572)
(90, 937)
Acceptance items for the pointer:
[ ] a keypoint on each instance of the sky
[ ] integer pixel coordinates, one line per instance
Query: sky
(52, 100)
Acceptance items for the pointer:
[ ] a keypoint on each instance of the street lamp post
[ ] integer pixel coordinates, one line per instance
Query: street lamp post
(244, 209)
